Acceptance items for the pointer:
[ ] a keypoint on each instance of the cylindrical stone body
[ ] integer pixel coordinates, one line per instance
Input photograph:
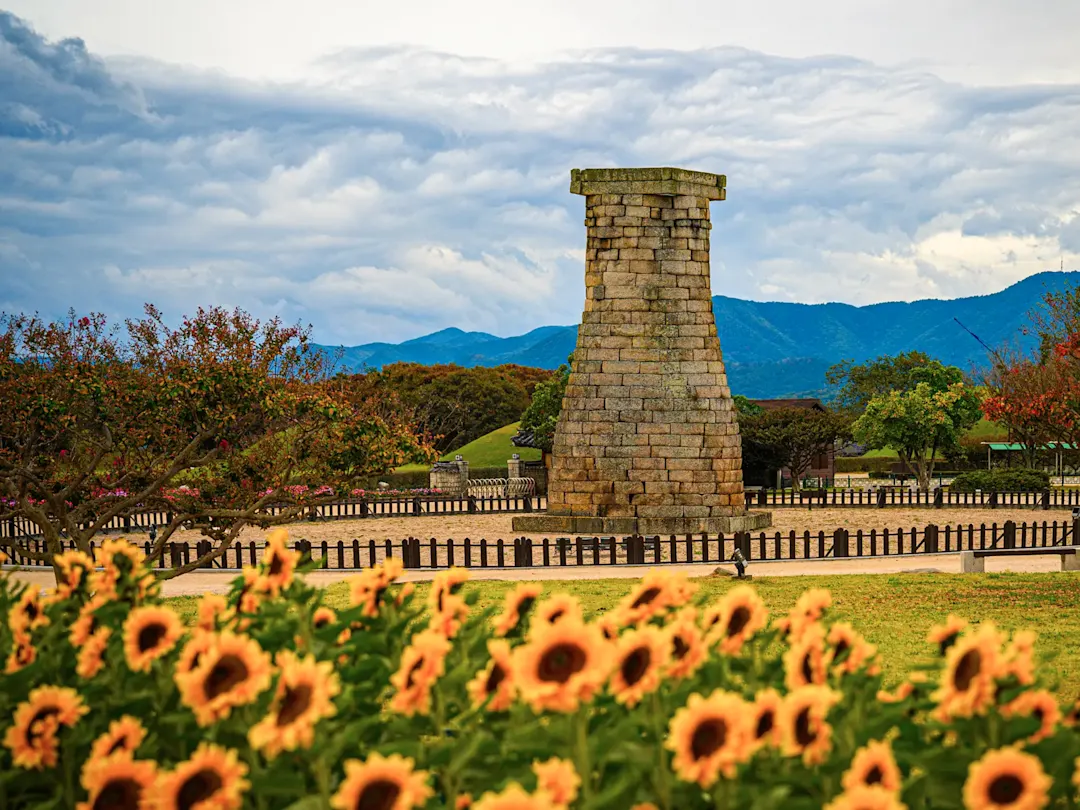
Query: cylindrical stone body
(647, 430)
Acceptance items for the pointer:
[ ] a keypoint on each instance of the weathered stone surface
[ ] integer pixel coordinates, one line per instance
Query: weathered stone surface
(647, 439)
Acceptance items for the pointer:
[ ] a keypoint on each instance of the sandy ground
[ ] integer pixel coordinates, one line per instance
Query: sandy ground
(206, 582)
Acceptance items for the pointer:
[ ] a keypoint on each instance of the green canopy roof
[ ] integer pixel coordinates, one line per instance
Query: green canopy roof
(1019, 447)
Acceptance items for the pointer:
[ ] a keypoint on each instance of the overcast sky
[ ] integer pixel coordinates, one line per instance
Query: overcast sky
(385, 170)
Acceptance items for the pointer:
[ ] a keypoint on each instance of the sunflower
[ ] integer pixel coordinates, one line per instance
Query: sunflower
(1019, 657)
(231, 671)
(23, 654)
(764, 719)
(640, 658)
(305, 695)
(28, 613)
(191, 653)
(422, 663)
(117, 558)
(803, 723)
(873, 766)
(609, 626)
(86, 623)
(1039, 704)
(808, 609)
(516, 608)
(250, 596)
(91, 658)
(71, 567)
(804, 661)
(446, 583)
(149, 633)
(862, 797)
(213, 608)
(278, 563)
(514, 797)
(213, 778)
(366, 588)
(739, 615)
(709, 736)
(31, 737)
(1071, 718)
(687, 644)
(556, 608)
(448, 621)
(971, 665)
(849, 651)
(561, 665)
(558, 779)
(117, 782)
(945, 635)
(1008, 778)
(463, 802)
(494, 681)
(645, 806)
(322, 617)
(389, 783)
(657, 591)
(124, 736)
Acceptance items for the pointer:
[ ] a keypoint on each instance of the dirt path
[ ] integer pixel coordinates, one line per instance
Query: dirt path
(200, 582)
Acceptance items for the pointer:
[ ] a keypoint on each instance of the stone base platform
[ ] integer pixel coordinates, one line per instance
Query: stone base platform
(582, 524)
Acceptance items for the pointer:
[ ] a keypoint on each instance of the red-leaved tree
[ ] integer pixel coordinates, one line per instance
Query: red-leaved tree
(214, 422)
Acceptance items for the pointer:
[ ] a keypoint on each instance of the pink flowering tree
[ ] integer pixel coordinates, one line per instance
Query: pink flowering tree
(213, 422)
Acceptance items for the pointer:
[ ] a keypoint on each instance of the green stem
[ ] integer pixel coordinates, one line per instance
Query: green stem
(581, 752)
(662, 784)
(322, 775)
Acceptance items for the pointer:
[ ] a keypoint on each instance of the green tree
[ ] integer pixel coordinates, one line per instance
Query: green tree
(792, 438)
(214, 422)
(543, 412)
(919, 422)
(858, 383)
(744, 407)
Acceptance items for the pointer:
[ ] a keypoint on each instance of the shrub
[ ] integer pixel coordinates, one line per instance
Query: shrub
(275, 700)
(1002, 481)
(863, 464)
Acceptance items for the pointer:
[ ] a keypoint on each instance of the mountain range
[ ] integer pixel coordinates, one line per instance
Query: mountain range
(771, 349)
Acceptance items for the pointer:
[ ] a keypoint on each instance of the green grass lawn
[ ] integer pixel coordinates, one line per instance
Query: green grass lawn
(893, 611)
(491, 450)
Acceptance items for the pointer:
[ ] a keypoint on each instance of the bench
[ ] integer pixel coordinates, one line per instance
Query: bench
(974, 562)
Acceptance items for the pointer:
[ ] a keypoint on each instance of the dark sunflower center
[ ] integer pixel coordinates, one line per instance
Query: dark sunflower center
(739, 619)
(807, 669)
(554, 617)
(198, 787)
(679, 648)
(1038, 715)
(35, 727)
(276, 565)
(948, 641)
(496, 677)
(560, 662)
(119, 794)
(412, 671)
(121, 744)
(381, 794)
(764, 724)
(708, 738)
(635, 665)
(525, 605)
(1005, 789)
(321, 622)
(841, 647)
(150, 636)
(804, 733)
(24, 654)
(31, 610)
(230, 671)
(967, 668)
(294, 703)
(874, 776)
(646, 597)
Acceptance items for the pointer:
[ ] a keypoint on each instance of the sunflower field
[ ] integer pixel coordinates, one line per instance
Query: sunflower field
(108, 701)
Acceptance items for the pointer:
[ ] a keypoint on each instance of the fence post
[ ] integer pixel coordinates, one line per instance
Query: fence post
(202, 548)
(1046, 499)
(742, 543)
(763, 497)
(1075, 539)
(472, 504)
(1008, 536)
(881, 498)
(416, 506)
(528, 503)
(840, 543)
(931, 536)
(939, 498)
(175, 559)
(993, 500)
(363, 508)
(304, 547)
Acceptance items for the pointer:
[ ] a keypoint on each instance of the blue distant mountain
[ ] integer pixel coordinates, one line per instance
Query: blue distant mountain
(771, 349)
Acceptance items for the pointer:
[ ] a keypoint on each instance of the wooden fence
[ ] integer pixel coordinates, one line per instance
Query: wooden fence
(883, 497)
(524, 552)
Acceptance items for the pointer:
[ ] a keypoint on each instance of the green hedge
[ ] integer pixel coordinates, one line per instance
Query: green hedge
(862, 464)
(1002, 481)
(419, 478)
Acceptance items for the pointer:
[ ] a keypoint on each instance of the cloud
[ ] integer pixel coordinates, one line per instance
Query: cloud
(396, 191)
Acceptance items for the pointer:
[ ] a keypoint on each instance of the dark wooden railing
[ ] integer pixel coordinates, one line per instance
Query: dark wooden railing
(526, 552)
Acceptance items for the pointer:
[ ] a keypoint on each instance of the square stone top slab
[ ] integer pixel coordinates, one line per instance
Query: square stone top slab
(666, 182)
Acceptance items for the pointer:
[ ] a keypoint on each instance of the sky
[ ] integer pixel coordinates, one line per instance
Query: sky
(383, 171)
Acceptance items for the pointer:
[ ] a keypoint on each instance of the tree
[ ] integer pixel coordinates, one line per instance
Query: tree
(792, 438)
(918, 422)
(543, 412)
(860, 383)
(214, 422)
(744, 407)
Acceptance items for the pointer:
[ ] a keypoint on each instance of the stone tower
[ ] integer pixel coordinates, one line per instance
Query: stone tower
(647, 439)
